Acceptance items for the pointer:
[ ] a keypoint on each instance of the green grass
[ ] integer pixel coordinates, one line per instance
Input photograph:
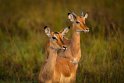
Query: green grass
(22, 39)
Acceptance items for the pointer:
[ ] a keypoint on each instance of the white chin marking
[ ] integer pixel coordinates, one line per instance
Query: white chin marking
(64, 49)
(86, 30)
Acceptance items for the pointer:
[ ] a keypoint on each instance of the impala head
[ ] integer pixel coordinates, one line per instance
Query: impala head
(78, 21)
(56, 38)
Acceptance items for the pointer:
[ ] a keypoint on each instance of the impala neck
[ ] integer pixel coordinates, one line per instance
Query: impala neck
(51, 61)
(75, 44)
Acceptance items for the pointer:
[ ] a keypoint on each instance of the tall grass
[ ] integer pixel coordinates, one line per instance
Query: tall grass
(22, 39)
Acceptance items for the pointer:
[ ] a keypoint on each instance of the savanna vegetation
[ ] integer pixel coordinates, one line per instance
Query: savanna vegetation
(22, 39)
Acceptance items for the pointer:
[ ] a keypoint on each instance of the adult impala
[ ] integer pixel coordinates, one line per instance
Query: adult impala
(73, 53)
(78, 25)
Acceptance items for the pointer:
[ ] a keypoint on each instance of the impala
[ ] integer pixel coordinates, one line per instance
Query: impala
(48, 73)
(78, 25)
(73, 53)
(64, 69)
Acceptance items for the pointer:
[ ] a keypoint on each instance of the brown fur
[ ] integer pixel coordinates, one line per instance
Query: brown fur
(55, 43)
(64, 70)
(56, 68)
(74, 51)
(62, 67)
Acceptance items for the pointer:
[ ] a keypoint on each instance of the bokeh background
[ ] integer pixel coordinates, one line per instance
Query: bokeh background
(22, 39)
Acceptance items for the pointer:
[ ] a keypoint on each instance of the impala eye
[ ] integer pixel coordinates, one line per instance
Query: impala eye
(77, 22)
(53, 37)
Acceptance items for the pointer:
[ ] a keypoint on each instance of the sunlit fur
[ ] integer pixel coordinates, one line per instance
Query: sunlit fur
(56, 69)
(73, 53)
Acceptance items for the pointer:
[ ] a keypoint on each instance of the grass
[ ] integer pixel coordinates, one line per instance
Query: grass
(22, 39)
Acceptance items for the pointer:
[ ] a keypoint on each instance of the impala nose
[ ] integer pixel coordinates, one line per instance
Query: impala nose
(64, 47)
(86, 30)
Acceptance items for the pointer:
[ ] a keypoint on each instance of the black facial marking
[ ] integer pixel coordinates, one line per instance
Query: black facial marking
(69, 27)
(69, 13)
(45, 27)
(53, 37)
(77, 22)
(61, 40)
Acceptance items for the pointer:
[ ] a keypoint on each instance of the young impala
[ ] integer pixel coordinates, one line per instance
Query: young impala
(47, 73)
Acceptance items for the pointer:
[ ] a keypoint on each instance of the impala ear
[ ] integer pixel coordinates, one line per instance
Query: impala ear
(65, 31)
(47, 31)
(71, 17)
(86, 15)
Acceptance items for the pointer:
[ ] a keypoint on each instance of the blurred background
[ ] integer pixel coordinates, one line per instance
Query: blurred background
(22, 39)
